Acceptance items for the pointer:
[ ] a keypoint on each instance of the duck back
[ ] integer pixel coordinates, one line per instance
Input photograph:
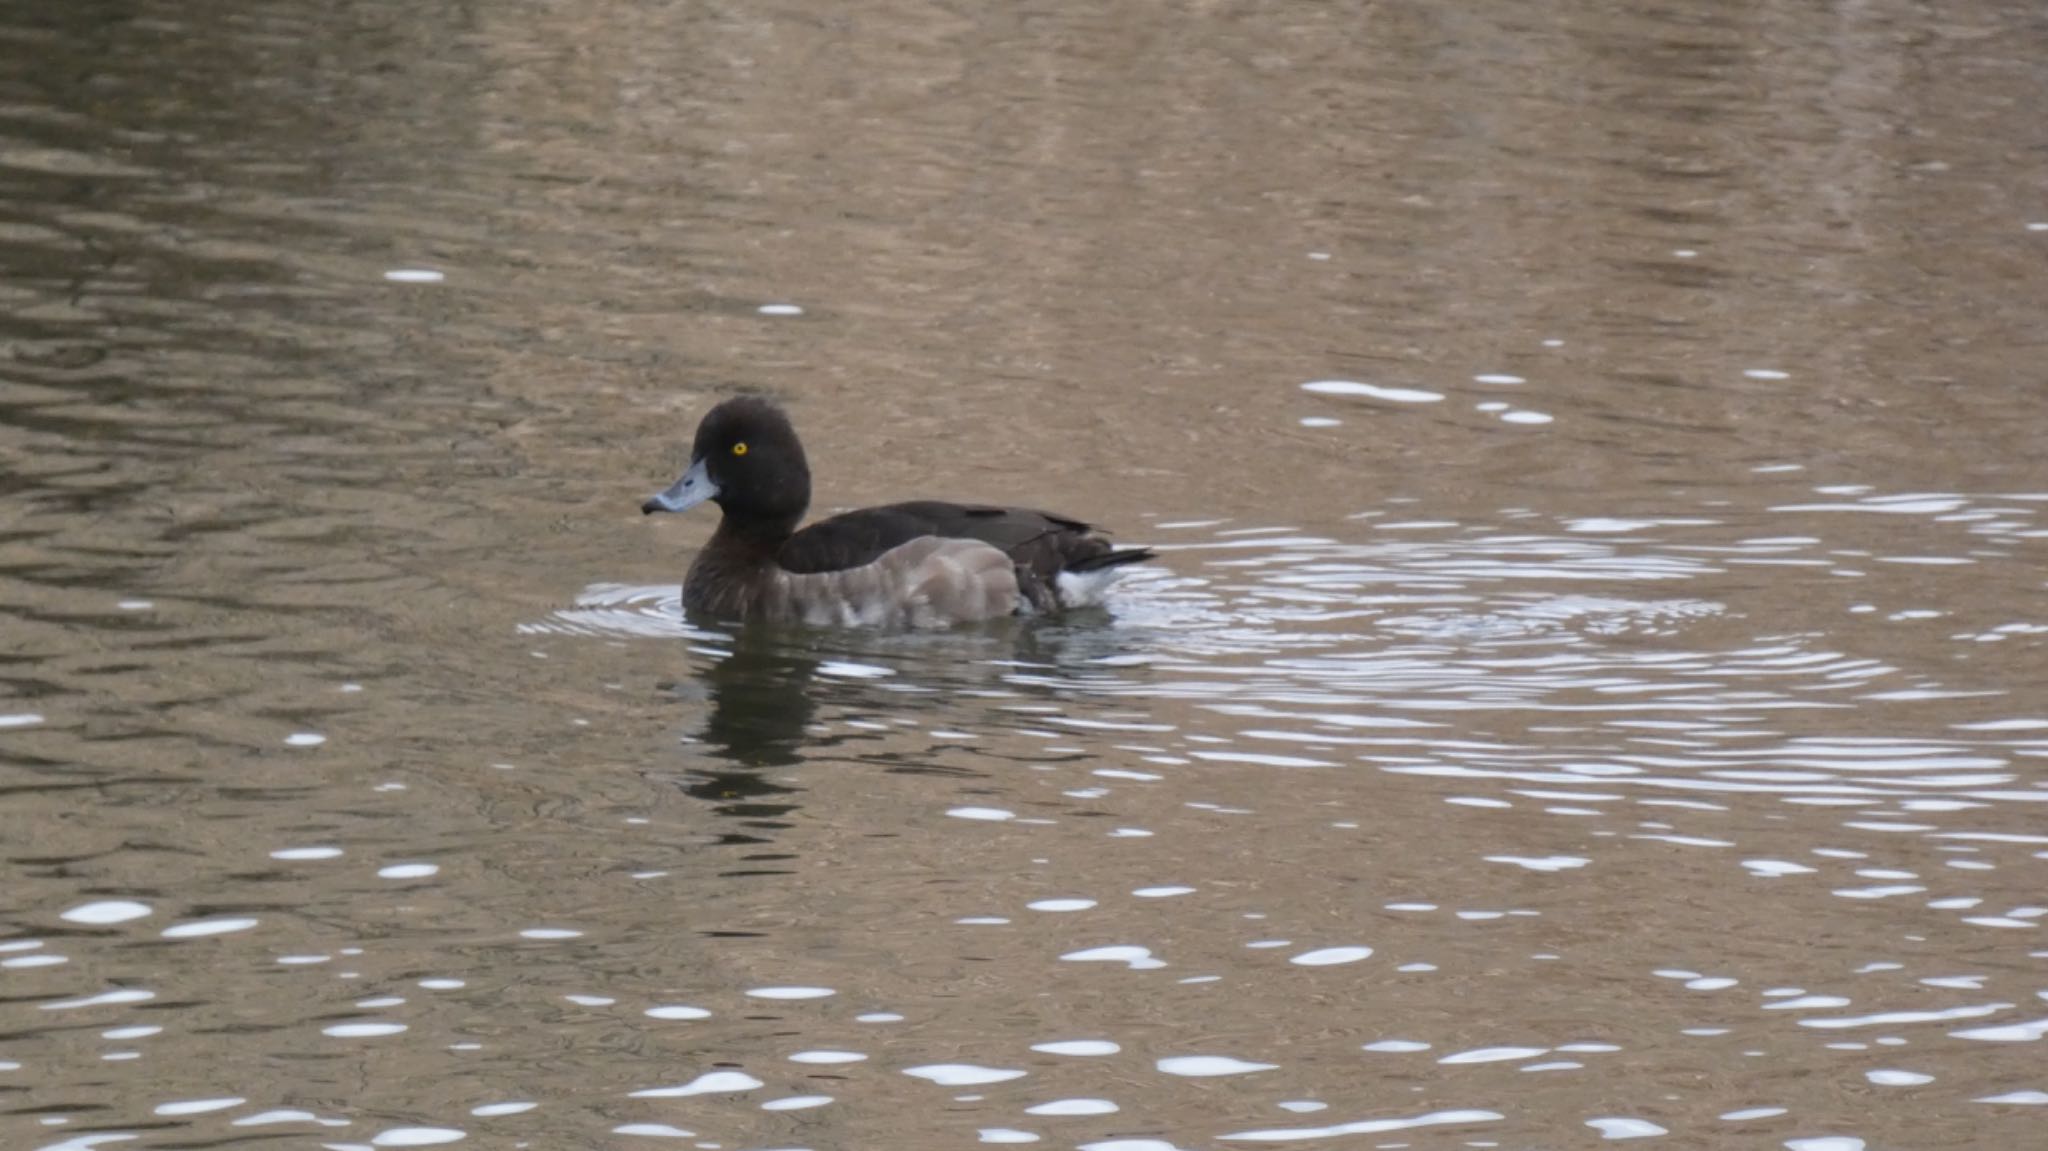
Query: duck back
(1042, 544)
(1060, 561)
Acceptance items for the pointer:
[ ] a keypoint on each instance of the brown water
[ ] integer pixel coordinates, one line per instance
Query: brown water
(1613, 705)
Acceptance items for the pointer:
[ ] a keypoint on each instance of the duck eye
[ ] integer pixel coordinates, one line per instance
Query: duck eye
(739, 449)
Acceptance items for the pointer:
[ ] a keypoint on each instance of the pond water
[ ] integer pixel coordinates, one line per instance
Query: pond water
(1593, 686)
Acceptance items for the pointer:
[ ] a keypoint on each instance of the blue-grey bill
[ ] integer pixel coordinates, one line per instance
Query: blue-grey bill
(694, 488)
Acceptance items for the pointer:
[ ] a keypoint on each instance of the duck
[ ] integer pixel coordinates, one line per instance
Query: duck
(921, 564)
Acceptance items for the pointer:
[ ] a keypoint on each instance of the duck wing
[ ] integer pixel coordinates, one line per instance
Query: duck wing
(1041, 543)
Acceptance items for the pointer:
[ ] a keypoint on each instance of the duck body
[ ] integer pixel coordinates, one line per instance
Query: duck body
(926, 563)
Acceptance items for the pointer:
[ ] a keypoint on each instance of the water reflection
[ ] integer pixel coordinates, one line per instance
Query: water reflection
(761, 701)
(1438, 660)
(1580, 695)
(1414, 765)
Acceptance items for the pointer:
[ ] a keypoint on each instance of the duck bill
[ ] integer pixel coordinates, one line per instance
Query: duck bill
(694, 488)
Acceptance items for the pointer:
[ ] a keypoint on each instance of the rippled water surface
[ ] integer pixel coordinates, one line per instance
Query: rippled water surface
(1592, 689)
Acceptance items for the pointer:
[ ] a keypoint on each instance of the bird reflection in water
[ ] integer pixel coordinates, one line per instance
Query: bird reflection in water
(780, 699)
(760, 703)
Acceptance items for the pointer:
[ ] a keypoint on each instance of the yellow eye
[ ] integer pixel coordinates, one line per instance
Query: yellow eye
(739, 449)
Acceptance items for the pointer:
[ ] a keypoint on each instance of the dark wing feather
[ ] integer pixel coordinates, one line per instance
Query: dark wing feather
(1040, 542)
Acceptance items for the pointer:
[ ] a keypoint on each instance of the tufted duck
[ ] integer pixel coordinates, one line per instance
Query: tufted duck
(919, 564)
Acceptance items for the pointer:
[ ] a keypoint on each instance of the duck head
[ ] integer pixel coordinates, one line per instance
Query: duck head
(747, 460)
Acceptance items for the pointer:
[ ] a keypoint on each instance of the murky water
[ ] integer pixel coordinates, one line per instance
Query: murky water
(1594, 686)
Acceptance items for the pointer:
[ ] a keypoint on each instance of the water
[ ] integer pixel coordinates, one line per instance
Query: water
(1592, 689)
